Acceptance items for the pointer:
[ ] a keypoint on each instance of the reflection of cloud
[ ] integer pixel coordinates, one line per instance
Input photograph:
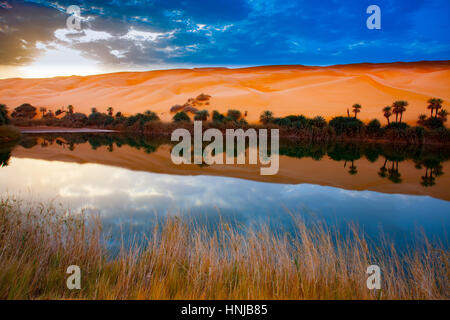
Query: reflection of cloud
(124, 195)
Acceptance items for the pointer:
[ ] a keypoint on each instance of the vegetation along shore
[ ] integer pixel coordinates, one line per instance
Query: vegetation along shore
(429, 129)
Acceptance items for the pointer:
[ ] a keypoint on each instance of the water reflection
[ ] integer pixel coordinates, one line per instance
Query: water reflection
(92, 171)
(428, 160)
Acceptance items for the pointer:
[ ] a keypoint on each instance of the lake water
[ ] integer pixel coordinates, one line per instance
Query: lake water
(130, 180)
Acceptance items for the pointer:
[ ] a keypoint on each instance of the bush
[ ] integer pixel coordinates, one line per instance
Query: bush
(76, 119)
(181, 117)
(4, 119)
(266, 117)
(433, 123)
(24, 111)
(201, 115)
(397, 126)
(346, 125)
(374, 126)
(218, 117)
(318, 122)
(234, 115)
(141, 118)
(282, 122)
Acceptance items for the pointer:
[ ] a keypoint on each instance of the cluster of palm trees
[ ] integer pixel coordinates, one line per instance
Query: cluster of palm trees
(397, 108)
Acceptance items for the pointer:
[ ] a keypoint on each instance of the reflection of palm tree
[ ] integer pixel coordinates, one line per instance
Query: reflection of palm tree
(428, 180)
(111, 148)
(394, 175)
(353, 169)
(383, 169)
(438, 170)
(433, 170)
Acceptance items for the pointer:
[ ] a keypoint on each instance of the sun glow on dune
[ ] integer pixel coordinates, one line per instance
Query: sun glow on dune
(57, 60)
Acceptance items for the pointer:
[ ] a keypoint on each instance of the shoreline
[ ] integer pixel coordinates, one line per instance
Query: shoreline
(44, 129)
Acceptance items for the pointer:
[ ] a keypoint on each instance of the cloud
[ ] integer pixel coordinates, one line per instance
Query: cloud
(227, 32)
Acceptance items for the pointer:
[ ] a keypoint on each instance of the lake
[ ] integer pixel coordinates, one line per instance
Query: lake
(130, 180)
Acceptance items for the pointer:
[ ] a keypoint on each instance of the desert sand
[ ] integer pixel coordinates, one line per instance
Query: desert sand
(312, 91)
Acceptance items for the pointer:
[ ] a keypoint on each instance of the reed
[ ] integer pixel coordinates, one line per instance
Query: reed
(183, 260)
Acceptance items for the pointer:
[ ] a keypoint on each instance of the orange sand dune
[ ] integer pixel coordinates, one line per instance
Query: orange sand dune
(326, 91)
(326, 172)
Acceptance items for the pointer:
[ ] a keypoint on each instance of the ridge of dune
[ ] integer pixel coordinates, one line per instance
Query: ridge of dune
(291, 89)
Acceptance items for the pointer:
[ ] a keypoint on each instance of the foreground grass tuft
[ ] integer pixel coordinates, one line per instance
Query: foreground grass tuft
(184, 261)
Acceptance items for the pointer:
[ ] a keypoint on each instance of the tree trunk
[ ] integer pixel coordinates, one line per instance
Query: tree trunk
(401, 116)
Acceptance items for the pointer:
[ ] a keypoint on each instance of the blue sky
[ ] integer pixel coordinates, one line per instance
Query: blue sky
(188, 33)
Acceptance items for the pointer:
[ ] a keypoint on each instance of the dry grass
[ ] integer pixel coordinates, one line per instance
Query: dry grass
(181, 261)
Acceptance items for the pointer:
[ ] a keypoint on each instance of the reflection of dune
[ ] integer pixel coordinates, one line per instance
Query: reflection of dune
(292, 170)
(326, 91)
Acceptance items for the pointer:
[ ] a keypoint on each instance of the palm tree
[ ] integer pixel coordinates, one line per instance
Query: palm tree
(398, 108)
(387, 113)
(266, 117)
(43, 110)
(356, 109)
(94, 110)
(434, 104)
(110, 111)
(70, 109)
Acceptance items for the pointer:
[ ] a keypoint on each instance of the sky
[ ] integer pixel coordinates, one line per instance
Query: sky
(147, 35)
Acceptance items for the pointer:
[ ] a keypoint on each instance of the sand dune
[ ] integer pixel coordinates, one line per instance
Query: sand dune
(312, 91)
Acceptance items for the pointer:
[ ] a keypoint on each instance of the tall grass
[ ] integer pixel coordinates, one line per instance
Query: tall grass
(180, 260)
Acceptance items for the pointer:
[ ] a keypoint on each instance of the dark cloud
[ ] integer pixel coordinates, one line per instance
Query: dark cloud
(21, 27)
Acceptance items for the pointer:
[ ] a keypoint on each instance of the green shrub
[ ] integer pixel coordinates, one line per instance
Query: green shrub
(234, 115)
(4, 119)
(24, 111)
(346, 125)
(181, 117)
(374, 126)
(201, 115)
(217, 117)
